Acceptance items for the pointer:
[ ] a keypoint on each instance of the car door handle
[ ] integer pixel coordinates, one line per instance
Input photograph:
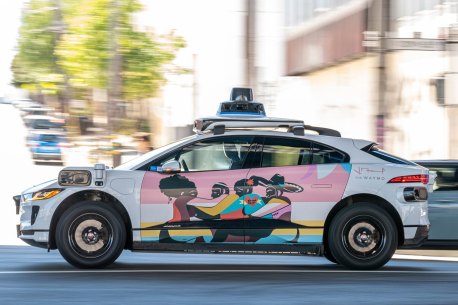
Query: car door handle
(322, 186)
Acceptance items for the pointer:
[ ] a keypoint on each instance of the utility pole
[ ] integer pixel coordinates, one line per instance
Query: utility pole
(195, 87)
(250, 42)
(382, 114)
(114, 68)
(451, 94)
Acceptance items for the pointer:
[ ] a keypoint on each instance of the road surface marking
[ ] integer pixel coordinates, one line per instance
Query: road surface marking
(425, 258)
(225, 271)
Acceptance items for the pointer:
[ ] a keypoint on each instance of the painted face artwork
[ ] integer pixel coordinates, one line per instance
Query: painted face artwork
(225, 206)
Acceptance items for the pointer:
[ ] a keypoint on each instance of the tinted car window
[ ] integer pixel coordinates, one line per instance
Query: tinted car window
(44, 124)
(447, 177)
(375, 151)
(290, 152)
(49, 138)
(322, 154)
(224, 153)
(285, 152)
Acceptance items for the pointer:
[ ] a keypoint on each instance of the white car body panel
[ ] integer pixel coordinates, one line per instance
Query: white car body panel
(369, 175)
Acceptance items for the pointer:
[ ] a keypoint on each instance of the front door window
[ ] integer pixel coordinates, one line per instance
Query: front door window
(201, 203)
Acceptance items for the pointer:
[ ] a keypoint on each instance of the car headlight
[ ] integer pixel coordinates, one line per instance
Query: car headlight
(74, 177)
(41, 195)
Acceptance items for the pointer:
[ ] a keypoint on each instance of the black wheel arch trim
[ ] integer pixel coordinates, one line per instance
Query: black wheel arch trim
(81, 196)
(362, 198)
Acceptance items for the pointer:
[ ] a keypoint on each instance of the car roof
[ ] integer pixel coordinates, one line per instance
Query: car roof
(37, 109)
(330, 140)
(47, 132)
(28, 104)
(39, 116)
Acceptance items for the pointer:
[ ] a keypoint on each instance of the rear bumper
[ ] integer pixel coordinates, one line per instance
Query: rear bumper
(421, 234)
(47, 156)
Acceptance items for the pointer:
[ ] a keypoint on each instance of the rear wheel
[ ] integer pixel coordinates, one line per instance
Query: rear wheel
(90, 235)
(362, 236)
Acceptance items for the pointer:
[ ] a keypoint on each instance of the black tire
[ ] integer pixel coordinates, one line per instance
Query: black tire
(327, 253)
(90, 235)
(362, 236)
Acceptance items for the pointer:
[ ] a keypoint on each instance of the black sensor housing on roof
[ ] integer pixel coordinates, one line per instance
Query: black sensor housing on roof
(241, 103)
(242, 94)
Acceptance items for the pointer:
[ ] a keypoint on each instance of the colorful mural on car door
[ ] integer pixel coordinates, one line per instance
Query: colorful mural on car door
(214, 206)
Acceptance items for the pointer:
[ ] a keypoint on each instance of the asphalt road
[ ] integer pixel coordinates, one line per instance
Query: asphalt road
(33, 276)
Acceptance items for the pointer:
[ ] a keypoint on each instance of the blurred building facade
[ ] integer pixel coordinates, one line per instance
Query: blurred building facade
(214, 60)
(380, 69)
(326, 62)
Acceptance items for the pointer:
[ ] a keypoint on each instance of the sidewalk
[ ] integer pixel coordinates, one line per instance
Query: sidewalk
(430, 253)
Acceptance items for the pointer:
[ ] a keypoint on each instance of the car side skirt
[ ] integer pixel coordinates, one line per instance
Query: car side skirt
(310, 249)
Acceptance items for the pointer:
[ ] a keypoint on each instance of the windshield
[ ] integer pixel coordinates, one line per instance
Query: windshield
(49, 138)
(145, 157)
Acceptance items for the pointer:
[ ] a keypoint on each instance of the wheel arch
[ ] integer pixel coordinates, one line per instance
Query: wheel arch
(361, 198)
(90, 195)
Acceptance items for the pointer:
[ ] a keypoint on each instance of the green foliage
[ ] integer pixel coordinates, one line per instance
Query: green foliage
(84, 49)
(35, 61)
(81, 50)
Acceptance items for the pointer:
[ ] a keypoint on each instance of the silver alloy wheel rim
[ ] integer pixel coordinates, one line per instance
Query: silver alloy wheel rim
(87, 235)
(364, 237)
(361, 237)
(90, 235)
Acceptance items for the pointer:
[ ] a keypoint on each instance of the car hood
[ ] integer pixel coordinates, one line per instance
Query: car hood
(48, 184)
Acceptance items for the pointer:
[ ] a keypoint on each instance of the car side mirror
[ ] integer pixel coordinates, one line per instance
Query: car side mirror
(170, 167)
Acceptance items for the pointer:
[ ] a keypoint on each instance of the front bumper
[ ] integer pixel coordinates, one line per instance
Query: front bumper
(421, 235)
(35, 219)
(32, 238)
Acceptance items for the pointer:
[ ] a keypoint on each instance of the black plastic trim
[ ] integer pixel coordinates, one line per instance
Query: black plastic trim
(439, 244)
(205, 247)
(35, 210)
(17, 202)
(420, 237)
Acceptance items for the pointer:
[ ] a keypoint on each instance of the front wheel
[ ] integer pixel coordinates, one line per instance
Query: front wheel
(362, 236)
(90, 235)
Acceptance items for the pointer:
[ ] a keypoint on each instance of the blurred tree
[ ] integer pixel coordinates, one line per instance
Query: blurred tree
(95, 36)
(87, 50)
(36, 62)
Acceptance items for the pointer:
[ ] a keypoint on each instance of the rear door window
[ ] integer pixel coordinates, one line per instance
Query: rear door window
(279, 152)
(289, 152)
(322, 154)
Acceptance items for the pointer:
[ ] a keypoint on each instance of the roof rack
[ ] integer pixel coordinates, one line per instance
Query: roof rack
(218, 125)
